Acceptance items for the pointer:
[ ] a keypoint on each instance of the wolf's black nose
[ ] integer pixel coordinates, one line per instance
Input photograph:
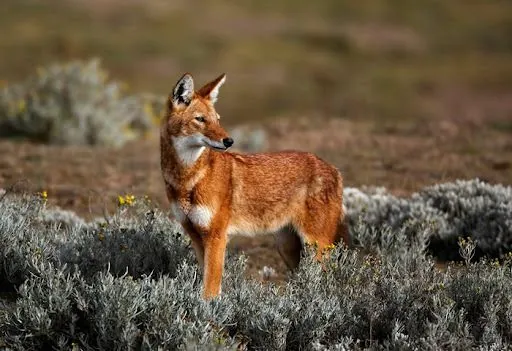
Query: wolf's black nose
(227, 142)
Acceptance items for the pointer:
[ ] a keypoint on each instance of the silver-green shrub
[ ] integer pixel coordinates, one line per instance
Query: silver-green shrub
(30, 234)
(74, 103)
(249, 138)
(462, 209)
(130, 282)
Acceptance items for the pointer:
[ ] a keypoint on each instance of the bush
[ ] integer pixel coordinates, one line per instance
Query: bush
(138, 242)
(463, 209)
(130, 282)
(74, 103)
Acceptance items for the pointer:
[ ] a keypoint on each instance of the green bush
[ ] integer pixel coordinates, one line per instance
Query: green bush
(131, 282)
(74, 103)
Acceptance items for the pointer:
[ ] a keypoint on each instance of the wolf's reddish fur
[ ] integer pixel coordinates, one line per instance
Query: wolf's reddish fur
(215, 194)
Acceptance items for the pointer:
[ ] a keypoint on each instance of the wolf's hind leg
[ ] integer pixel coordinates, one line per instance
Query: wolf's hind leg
(289, 246)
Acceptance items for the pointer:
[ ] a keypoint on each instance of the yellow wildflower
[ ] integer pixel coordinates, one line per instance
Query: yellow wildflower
(126, 200)
(130, 199)
(43, 195)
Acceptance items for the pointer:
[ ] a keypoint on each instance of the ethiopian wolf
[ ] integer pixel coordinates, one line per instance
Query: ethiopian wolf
(214, 193)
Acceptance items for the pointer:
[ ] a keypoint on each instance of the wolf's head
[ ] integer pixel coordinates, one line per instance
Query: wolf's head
(192, 124)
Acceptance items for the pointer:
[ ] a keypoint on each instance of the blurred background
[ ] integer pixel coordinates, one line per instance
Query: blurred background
(395, 93)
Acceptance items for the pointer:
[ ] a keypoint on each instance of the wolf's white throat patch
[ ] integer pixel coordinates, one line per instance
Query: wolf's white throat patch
(200, 216)
(188, 148)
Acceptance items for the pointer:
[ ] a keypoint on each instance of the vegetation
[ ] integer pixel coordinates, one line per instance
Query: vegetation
(74, 103)
(130, 281)
(463, 209)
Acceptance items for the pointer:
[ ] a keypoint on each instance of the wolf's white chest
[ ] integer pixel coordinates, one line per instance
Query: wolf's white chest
(199, 215)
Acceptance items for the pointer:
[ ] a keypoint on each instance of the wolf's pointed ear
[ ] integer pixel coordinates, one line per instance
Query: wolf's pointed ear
(183, 91)
(211, 90)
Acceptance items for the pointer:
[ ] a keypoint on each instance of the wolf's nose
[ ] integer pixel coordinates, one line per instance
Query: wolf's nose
(227, 142)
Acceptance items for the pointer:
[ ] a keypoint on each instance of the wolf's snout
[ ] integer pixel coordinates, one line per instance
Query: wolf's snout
(227, 142)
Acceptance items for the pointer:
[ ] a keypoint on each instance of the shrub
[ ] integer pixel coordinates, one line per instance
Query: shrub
(462, 209)
(74, 103)
(249, 138)
(31, 234)
(83, 289)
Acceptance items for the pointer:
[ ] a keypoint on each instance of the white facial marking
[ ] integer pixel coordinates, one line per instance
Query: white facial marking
(188, 148)
(200, 216)
(177, 212)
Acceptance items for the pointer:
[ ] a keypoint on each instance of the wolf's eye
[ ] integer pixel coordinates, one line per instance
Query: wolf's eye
(200, 119)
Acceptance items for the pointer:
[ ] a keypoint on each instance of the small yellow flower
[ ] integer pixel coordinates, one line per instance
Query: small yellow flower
(43, 195)
(128, 200)
(101, 236)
